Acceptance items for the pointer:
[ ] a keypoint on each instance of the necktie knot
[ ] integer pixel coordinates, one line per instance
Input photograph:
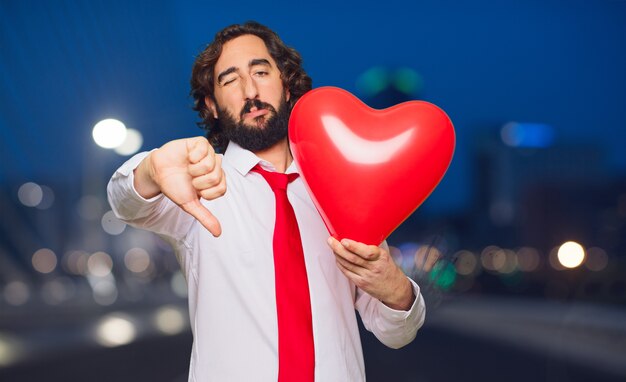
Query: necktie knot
(276, 180)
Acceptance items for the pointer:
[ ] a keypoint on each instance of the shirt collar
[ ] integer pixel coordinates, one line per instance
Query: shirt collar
(244, 160)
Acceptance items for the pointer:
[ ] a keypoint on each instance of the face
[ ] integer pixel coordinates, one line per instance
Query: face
(248, 88)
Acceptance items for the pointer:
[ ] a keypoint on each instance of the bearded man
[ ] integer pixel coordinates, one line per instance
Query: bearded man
(271, 295)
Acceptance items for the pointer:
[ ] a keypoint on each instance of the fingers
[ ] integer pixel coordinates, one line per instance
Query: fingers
(198, 148)
(205, 179)
(209, 184)
(205, 164)
(360, 276)
(356, 262)
(342, 253)
(363, 251)
(204, 216)
(213, 192)
(348, 266)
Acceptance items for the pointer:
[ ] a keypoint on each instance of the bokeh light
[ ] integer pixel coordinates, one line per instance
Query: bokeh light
(527, 259)
(47, 198)
(109, 133)
(597, 259)
(510, 262)
(466, 263)
(10, 350)
(131, 144)
(426, 257)
(571, 254)
(406, 257)
(104, 290)
(56, 291)
(179, 284)
(44, 260)
(493, 258)
(373, 81)
(111, 224)
(408, 81)
(170, 320)
(443, 275)
(100, 264)
(137, 260)
(114, 330)
(535, 135)
(30, 194)
(16, 293)
(553, 259)
(75, 262)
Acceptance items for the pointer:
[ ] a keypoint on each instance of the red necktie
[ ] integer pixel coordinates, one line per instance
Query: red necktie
(296, 355)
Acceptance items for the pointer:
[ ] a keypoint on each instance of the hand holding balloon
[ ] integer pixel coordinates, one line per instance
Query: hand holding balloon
(373, 270)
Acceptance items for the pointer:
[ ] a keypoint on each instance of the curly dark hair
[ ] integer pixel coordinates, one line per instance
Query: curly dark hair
(287, 59)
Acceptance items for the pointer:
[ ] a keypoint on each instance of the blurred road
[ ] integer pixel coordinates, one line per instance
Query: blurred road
(464, 339)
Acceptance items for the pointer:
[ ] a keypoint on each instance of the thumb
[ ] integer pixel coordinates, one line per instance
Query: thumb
(204, 216)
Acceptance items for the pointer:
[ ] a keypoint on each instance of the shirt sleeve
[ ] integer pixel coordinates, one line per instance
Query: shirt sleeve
(158, 214)
(394, 328)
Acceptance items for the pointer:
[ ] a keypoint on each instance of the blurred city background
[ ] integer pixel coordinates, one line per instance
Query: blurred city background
(520, 251)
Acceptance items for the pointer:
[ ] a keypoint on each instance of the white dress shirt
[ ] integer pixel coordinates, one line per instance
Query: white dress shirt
(230, 278)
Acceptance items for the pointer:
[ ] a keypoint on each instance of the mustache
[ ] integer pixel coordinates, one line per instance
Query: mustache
(255, 103)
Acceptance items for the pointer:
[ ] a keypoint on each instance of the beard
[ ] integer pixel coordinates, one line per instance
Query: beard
(265, 133)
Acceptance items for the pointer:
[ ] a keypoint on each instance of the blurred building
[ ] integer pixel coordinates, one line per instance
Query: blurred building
(540, 194)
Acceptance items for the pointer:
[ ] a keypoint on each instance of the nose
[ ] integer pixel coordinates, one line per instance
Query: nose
(250, 88)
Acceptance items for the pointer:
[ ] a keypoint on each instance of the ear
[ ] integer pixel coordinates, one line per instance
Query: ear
(287, 95)
(211, 105)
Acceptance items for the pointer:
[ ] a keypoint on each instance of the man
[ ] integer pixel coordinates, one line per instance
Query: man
(221, 216)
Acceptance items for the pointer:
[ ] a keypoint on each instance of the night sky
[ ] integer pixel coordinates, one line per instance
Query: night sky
(68, 64)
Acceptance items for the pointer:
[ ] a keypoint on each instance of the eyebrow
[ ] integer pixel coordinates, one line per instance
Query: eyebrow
(226, 72)
(259, 61)
(232, 69)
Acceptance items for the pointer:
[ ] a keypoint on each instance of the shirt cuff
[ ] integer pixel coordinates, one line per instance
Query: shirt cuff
(403, 315)
(127, 170)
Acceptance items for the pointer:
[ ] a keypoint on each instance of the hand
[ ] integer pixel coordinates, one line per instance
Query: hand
(373, 270)
(184, 170)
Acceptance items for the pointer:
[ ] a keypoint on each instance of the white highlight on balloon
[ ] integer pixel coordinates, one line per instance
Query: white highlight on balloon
(359, 150)
(109, 133)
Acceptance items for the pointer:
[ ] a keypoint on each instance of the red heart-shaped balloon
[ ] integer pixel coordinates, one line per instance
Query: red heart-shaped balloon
(367, 170)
